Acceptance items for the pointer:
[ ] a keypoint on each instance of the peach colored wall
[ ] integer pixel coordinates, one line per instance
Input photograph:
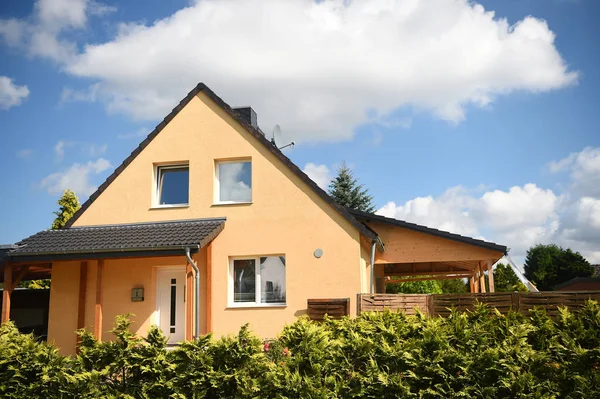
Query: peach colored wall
(119, 277)
(404, 245)
(285, 217)
(64, 300)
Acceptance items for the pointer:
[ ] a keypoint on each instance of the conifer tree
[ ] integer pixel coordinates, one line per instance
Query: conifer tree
(69, 204)
(346, 191)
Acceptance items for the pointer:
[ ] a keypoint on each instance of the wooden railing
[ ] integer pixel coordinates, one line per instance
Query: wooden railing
(440, 305)
(333, 307)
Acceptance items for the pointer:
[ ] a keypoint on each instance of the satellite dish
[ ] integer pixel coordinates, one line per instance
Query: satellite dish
(276, 134)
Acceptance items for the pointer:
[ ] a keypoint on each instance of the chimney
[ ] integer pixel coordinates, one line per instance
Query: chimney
(248, 115)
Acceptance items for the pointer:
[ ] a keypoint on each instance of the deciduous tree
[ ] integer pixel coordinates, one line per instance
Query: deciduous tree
(546, 266)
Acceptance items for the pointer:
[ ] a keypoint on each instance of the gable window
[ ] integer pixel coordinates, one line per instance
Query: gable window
(233, 182)
(172, 185)
(257, 281)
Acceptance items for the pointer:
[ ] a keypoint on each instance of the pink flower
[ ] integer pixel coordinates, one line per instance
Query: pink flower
(266, 347)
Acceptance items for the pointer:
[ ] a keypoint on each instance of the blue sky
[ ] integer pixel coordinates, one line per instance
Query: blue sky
(485, 125)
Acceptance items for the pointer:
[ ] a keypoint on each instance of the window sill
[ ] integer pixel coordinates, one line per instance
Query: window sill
(231, 203)
(253, 305)
(169, 206)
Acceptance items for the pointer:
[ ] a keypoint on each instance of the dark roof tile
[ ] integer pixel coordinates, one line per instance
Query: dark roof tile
(121, 237)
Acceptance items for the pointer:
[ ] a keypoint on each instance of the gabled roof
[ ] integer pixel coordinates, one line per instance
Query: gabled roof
(201, 87)
(366, 216)
(575, 280)
(123, 240)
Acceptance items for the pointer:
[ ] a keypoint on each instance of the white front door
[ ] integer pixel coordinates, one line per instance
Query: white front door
(170, 285)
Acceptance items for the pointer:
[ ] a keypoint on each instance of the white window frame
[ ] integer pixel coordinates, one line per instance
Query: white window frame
(157, 173)
(217, 193)
(257, 282)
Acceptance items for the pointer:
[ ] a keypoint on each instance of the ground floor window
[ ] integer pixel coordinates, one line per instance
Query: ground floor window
(257, 281)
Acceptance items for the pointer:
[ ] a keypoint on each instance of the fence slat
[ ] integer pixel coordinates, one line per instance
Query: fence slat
(440, 304)
(332, 307)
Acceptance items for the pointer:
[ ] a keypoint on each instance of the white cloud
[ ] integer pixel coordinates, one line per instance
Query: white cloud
(141, 132)
(523, 215)
(449, 212)
(519, 207)
(11, 94)
(320, 174)
(25, 153)
(59, 150)
(319, 69)
(95, 150)
(507, 217)
(43, 33)
(72, 95)
(92, 150)
(76, 177)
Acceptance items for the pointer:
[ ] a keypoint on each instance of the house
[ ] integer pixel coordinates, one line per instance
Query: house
(580, 284)
(207, 226)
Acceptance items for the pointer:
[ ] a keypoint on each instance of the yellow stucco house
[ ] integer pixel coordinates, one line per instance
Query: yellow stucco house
(207, 226)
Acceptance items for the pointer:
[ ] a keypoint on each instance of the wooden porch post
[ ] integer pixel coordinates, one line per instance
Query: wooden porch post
(490, 267)
(481, 278)
(6, 293)
(471, 284)
(98, 305)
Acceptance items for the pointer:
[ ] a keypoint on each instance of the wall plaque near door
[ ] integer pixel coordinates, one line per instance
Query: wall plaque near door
(137, 294)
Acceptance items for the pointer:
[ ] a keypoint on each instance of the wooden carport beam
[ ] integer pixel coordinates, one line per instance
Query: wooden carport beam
(481, 279)
(446, 277)
(490, 267)
(429, 273)
(6, 293)
(475, 280)
(10, 284)
(19, 277)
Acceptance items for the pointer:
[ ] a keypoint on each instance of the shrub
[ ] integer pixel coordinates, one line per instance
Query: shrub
(476, 354)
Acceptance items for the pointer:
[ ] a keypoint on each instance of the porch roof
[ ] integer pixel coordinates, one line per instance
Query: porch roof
(134, 239)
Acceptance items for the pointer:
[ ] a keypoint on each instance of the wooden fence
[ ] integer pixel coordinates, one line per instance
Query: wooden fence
(333, 307)
(440, 305)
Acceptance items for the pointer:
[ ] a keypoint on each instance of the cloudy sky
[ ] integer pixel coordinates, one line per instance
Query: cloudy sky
(477, 118)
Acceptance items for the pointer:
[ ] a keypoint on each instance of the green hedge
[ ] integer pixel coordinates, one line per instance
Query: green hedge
(479, 354)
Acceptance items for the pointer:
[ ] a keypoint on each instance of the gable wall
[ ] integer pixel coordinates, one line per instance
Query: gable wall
(408, 246)
(286, 216)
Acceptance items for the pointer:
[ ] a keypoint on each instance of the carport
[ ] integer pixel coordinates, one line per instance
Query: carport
(414, 252)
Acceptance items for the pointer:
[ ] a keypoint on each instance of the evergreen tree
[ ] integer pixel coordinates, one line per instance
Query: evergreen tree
(69, 204)
(346, 191)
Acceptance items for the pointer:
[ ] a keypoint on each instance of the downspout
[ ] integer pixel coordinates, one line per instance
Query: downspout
(373, 245)
(197, 293)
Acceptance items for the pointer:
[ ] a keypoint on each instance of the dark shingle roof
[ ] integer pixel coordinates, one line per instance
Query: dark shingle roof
(120, 238)
(365, 216)
(201, 87)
